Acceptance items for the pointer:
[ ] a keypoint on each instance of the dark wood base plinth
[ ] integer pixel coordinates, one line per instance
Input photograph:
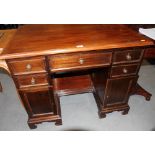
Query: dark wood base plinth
(125, 111)
(58, 122)
(102, 111)
(32, 126)
(138, 90)
(32, 122)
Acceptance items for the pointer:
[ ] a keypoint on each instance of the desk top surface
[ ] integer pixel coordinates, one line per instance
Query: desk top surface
(5, 37)
(33, 40)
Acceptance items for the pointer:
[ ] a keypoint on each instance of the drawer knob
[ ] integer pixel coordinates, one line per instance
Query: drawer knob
(81, 61)
(33, 81)
(125, 70)
(28, 67)
(128, 56)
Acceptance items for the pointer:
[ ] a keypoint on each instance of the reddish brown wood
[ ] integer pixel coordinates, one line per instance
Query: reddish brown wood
(149, 54)
(48, 61)
(38, 101)
(124, 70)
(115, 97)
(33, 40)
(99, 79)
(5, 38)
(116, 93)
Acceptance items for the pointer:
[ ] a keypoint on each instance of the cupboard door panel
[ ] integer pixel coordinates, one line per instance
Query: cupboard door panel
(118, 91)
(38, 101)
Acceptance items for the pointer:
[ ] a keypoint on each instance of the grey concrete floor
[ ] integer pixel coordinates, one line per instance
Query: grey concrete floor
(79, 112)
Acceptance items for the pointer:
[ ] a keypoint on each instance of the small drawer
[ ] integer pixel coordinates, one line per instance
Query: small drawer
(27, 66)
(63, 62)
(127, 56)
(31, 80)
(124, 70)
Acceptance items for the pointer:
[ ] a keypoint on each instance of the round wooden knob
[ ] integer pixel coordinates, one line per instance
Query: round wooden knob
(28, 67)
(81, 61)
(33, 81)
(125, 70)
(128, 56)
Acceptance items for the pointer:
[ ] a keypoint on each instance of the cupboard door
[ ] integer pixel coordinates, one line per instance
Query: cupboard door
(118, 91)
(38, 101)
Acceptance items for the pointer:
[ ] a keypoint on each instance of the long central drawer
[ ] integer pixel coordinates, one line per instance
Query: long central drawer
(61, 62)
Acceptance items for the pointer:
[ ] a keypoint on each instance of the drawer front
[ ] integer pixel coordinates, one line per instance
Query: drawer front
(117, 91)
(127, 56)
(31, 80)
(31, 65)
(78, 61)
(124, 70)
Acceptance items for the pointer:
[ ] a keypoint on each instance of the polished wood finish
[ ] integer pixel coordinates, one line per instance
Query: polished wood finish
(149, 54)
(115, 100)
(40, 105)
(55, 60)
(5, 37)
(33, 40)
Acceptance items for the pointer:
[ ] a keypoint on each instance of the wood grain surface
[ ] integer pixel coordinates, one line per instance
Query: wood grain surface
(32, 40)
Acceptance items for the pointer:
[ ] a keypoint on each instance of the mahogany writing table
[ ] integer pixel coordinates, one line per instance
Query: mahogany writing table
(49, 61)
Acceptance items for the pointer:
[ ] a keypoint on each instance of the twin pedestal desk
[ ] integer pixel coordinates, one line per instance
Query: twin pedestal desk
(49, 61)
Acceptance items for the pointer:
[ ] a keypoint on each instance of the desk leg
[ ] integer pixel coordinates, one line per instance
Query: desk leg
(58, 122)
(138, 90)
(32, 126)
(0, 87)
